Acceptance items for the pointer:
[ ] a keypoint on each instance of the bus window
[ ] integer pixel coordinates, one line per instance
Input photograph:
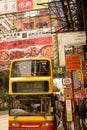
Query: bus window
(30, 68)
(30, 86)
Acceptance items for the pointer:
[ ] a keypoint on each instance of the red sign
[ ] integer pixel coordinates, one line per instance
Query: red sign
(73, 62)
(24, 5)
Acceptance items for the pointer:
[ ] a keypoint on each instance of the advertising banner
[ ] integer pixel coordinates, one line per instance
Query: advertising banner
(33, 47)
(25, 35)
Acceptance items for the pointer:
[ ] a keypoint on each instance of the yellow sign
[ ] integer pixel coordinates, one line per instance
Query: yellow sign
(60, 70)
(79, 75)
(39, 4)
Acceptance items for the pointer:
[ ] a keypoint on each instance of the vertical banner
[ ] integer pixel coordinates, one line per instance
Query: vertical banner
(78, 84)
(55, 51)
(69, 110)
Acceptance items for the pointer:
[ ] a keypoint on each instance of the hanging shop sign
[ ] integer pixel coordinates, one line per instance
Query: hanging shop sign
(66, 81)
(73, 62)
(69, 110)
(68, 93)
(78, 84)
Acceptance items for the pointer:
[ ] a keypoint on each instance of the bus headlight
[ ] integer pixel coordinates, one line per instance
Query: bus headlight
(15, 124)
(47, 124)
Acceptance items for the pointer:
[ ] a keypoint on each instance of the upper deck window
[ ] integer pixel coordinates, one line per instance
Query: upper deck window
(27, 68)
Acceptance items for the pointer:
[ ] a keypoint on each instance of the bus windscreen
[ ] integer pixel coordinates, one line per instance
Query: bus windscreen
(27, 68)
(30, 105)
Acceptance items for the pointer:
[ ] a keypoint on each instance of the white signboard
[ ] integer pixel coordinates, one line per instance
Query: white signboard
(66, 81)
(72, 38)
(69, 39)
(8, 6)
(25, 35)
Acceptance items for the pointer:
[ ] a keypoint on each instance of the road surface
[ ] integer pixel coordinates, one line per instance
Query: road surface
(4, 122)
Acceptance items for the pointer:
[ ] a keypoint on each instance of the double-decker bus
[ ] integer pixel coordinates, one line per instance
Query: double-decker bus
(31, 101)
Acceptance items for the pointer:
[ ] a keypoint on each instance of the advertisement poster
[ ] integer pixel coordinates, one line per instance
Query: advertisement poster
(33, 47)
(69, 111)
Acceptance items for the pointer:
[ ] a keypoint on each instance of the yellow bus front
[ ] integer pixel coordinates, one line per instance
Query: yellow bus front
(30, 95)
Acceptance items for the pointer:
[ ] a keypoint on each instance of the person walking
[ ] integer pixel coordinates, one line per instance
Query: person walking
(64, 116)
(77, 123)
(82, 113)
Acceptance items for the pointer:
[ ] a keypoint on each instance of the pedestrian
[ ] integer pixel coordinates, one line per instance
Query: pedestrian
(77, 126)
(56, 114)
(82, 113)
(64, 116)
